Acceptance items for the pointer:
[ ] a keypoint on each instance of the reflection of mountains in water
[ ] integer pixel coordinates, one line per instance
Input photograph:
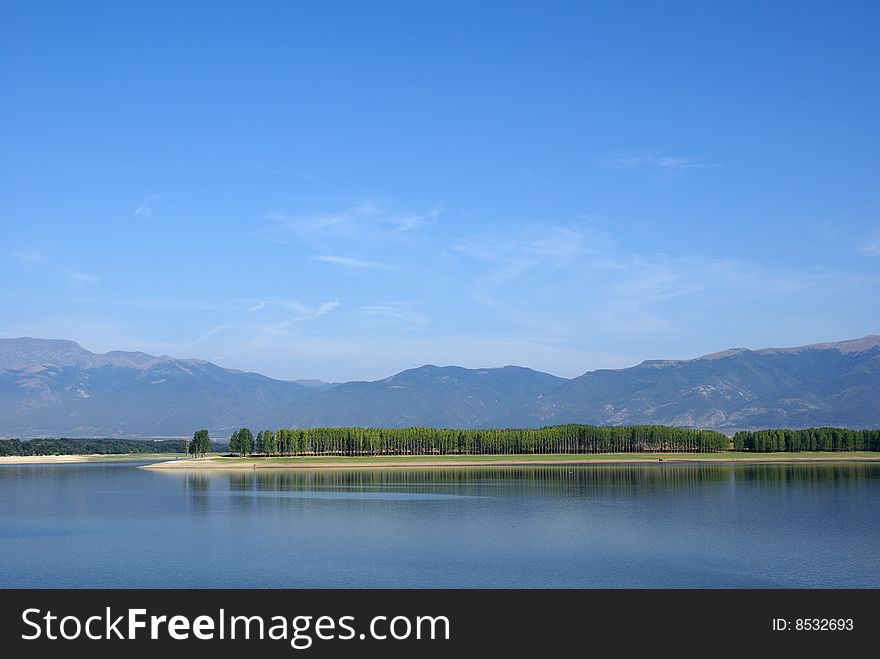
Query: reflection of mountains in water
(572, 480)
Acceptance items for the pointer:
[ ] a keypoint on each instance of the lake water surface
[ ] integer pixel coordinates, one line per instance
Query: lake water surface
(650, 525)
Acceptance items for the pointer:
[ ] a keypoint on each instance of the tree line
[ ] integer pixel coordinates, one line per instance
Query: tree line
(108, 446)
(808, 439)
(572, 438)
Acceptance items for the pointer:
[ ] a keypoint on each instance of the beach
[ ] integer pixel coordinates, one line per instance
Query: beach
(66, 459)
(427, 461)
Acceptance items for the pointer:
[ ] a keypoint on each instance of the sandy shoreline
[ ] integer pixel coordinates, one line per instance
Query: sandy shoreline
(48, 459)
(236, 464)
(239, 464)
(66, 459)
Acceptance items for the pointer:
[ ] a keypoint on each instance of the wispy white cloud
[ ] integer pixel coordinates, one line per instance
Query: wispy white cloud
(279, 330)
(29, 257)
(407, 221)
(396, 313)
(662, 162)
(341, 223)
(871, 247)
(293, 173)
(518, 262)
(80, 281)
(356, 221)
(222, 326)
(325, 308)
(606, 287)
(303, 312)
(212, 332)
(353, 263)
(513, 252)
(525, 248)
(159, 304)
(242, 323)
(145, 209)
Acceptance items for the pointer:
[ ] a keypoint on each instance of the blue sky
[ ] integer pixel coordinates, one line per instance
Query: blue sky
(343, 190)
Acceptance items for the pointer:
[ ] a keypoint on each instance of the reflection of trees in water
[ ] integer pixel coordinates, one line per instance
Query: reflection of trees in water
(197, 482)
(196, 485)
(242, 482)
(585, 481)
(814, 474)
(570, 480)
(579, 480)
(39, 473)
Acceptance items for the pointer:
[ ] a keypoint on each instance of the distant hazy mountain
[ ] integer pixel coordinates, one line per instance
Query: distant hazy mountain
(448, 396)
(21, 353)
(59, 388)
(824, 384)
(55, 388)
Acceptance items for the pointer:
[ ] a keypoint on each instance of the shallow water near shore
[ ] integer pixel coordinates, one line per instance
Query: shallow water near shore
(693, 525)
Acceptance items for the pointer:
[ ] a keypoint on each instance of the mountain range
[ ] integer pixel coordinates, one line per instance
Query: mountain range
(58, 388)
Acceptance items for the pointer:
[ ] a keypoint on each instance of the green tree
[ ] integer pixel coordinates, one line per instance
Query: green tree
(243, 442)
(268, 442)
(200, 444)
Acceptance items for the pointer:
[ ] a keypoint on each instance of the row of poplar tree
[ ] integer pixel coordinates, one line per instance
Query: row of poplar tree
(572, 438)
(444, 441)
(808, 439)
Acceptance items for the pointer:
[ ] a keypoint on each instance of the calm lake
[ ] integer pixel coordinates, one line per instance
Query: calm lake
(654, 525)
